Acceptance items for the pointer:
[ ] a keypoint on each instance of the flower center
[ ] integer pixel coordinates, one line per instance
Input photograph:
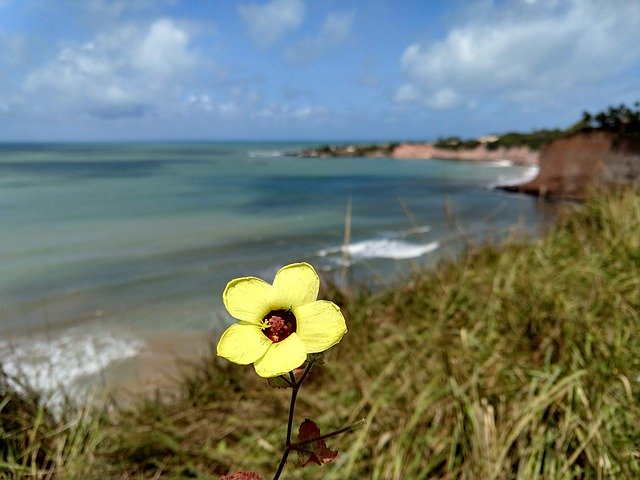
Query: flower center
(279, 324)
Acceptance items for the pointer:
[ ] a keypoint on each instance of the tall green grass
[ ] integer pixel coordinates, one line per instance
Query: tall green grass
(520, 361)
(38, 441)
(515, 361)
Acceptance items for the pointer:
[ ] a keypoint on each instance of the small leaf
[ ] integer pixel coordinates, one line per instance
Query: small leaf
(242, 476)
(279, 382)
(313, 452)
(284, 381)
(317, 358)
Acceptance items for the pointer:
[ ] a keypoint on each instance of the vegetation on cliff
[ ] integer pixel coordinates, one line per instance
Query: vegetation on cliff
(350, 150)
(534, 140)
(622, 121)
(513, 361)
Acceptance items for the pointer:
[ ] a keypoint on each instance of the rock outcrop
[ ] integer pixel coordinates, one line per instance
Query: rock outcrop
(570, 167)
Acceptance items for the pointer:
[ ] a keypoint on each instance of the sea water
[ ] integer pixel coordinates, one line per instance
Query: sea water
(111, 253)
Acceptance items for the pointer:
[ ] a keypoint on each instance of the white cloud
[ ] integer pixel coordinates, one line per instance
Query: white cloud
(335, 30)
(519, 55)
(123, 73)
(164, 49)
(268, 23)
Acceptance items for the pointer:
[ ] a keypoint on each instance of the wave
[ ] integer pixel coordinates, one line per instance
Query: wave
(54, 364)
(499, 163)
(528, 174)
(379, 248)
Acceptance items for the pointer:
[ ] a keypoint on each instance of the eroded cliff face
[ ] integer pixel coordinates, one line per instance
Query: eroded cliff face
(571, 166)
(516, 155)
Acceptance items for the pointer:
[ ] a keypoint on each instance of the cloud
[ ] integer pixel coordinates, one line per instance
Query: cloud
(163, 50)
(335, 30)
(533, 52)
(268, 23)
(123, 73)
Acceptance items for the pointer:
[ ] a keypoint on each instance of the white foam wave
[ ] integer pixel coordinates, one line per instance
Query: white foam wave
(50, 364)
(527, 175)
(499, 163)
(381, 248)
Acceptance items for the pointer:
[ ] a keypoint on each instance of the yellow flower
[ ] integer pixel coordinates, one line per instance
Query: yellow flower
(279, 324)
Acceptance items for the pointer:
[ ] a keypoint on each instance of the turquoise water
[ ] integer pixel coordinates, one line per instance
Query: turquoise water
(104, 247)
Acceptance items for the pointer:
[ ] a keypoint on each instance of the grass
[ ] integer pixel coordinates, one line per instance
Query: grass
(39, 442)
(518, 361)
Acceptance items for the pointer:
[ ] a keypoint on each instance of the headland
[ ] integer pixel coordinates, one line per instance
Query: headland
(600, 150)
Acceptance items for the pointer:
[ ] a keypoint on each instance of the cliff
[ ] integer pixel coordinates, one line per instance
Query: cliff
(517, 155)
(570, 167)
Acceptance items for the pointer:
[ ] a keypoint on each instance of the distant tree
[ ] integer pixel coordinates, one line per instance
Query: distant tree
(621, 120)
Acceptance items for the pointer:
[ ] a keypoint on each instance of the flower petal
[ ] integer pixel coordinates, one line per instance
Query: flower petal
(295, 285)
(248, 299)
(282, 357)
(320, 325)
(243, 344)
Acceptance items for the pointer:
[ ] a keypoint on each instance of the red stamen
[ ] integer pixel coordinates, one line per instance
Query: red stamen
(280, 324)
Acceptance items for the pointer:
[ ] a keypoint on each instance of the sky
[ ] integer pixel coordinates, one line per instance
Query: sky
(323, 70)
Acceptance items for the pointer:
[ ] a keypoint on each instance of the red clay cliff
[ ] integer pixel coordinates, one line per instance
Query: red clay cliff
(516, 155)
(571, 166)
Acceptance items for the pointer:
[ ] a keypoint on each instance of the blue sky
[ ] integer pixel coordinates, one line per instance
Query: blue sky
(101, 70)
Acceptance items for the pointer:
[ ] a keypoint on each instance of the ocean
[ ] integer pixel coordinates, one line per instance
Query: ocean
(114, 256)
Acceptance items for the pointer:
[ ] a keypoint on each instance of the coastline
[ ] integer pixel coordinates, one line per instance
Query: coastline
(567, 167)
(94, 291)
(201, 420)
(520, 155)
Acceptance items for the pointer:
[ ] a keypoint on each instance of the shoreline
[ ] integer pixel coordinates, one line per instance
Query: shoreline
(568, 167)
(66, 340)
(198, 426)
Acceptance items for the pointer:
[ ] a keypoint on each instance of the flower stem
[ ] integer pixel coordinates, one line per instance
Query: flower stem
(295, 387)
(283, 461)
